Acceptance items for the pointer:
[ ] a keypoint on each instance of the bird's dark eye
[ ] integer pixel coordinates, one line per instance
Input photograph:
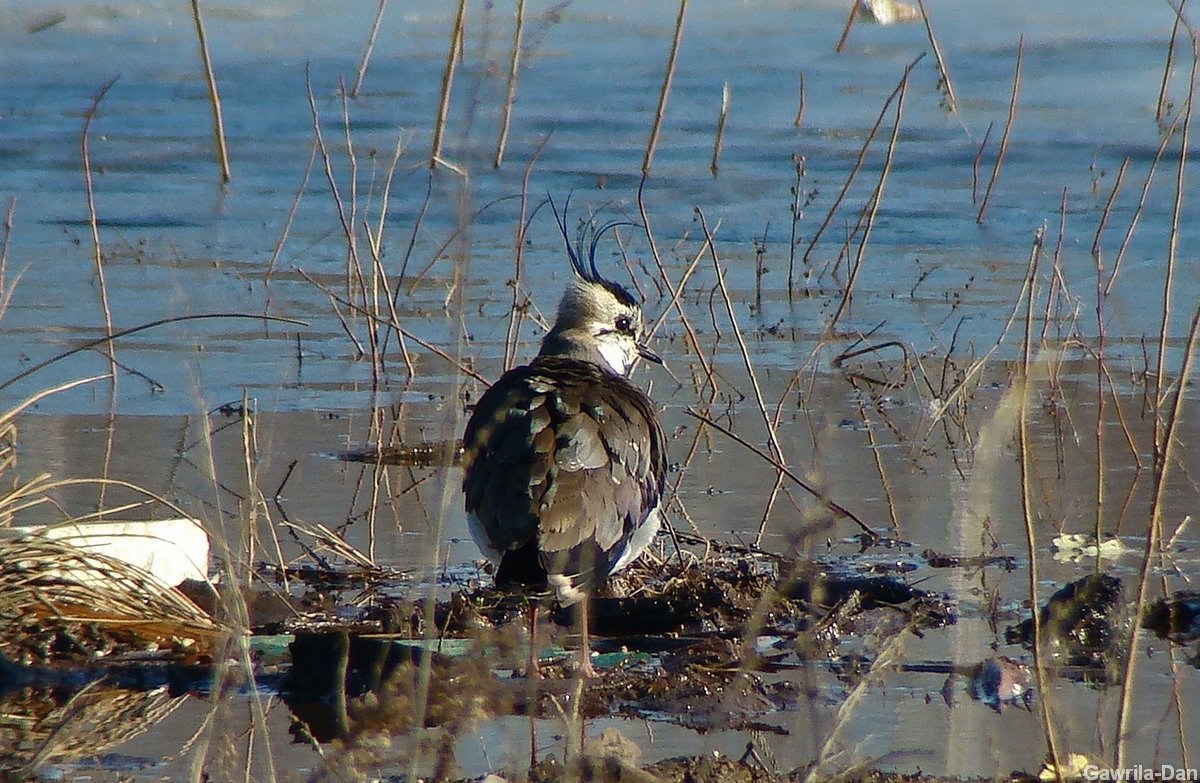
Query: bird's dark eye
(623, 324)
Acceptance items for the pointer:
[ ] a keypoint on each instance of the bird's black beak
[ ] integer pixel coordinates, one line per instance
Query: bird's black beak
(648, 354)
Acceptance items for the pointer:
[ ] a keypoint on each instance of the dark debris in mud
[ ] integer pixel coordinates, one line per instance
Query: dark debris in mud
(616, 767)
(700, 645)
(1082, 622)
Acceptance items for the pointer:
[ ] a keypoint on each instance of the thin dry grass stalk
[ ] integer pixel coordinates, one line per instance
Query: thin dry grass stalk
(668, 76)
(510, 96)
(1025, 382)
(858, 162)
(1151, 555)
(1165, 440)
(1008, 123)
(370, 46)
(94, 223)
(719, 141)
(1137, 212)
(799, 119)
(944, 73)
(5, 289)
(90, 344)
(456, 42)
(214, 97)
(841, 44)
(872, 207)
(1163, 106)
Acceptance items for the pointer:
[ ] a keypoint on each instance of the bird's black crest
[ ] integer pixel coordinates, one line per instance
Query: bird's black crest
(589, 234)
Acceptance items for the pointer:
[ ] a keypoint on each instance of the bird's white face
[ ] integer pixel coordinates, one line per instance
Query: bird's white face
(616, 327)
(599, 322)
(619, 351)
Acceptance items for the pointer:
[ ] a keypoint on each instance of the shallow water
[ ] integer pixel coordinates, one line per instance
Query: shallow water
(933, 279)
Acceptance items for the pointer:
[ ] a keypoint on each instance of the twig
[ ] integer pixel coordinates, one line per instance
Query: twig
(1163, 459)
(1101, 339)
(213, 96)
(947, 85)
(90, 344)
(1012, 114)
(841, 44)
(800, 103)
(975, 163)
(873, 204)
(5, 292)
(719, 141)
(1172, 255)
(1137, 212)
(514, 322)
(858, 163)
(772, 438)
(676, 292)
(397, 327)
(830, 504)
(665, 91)
(366, 55)
(291, 216)
(510, 95)
(1026, 382)
(94, 223)
(456, 40)
(1162, 107)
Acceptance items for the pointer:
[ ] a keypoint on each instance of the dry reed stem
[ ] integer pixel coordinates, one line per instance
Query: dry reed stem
(9, 415)
(1029, 290)
(5, 291)
(291, 216)
(872, 207)
(1164, 458)
(1162, 105)
(368, 48)
(676, 292)
(214, 97)
(510, 95)
(455, 236)
(439, 128)
(90, 344)
(1008, 123)
(858, 162)
(94, 224)
(841, 44)
(1141, 205)
(831, 505)
(772, 437)
(337, 300)
(941, 406)
(1101, 337)
(977, 161)
(347, 221)
(719, 140)
(1172, 254)
(334, 542)
(947, 85)
(515, 314)
(877, 455)
(888, 659)
(668, 76)
(375, 241)
(1164, 432)
(799, 120)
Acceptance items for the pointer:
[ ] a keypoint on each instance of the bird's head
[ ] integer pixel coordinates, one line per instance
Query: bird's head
(598, 320)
